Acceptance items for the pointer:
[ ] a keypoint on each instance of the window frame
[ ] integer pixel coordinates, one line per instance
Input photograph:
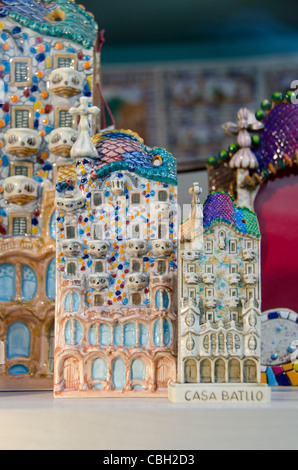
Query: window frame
(14, 216)
(13, 66)
(30, 117)
(65, 56)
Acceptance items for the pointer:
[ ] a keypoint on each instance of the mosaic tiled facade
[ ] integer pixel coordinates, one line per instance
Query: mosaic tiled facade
(48, 61)
(116, 270)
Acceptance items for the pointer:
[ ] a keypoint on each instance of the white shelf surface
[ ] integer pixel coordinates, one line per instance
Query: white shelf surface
(37, 421)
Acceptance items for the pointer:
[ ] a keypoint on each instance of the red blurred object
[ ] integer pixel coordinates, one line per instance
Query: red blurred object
(277, 207)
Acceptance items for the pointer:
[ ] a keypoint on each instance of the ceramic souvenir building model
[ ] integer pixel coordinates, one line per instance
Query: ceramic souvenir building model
(219, 344)
(116, 267)
(48, 60)
(260, 171)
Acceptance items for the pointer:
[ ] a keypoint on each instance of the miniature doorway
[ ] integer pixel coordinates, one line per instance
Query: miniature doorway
(205, 371)
(191, 374)
(234, 371)
(71, 374)
(220, 371)
(163, 373)
(250, 372)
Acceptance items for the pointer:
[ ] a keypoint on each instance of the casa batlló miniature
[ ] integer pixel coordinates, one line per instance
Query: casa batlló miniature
(260, 171)
(49, 60)
(116, 212)
(219, 344)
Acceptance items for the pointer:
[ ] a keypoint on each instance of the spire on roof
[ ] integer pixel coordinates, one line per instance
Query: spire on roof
(244, 157)
(197, 218)
(84, 147)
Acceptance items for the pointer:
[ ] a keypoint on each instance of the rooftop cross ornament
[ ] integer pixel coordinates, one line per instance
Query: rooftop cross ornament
(196, 190)
(197, 218)
(84, 146)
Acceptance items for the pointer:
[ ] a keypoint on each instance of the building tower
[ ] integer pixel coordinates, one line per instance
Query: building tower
(260, 172)
(116, 267)
(48, 61)
(219, 304)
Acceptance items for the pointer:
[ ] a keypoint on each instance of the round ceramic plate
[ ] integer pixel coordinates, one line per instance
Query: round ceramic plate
(279, 331)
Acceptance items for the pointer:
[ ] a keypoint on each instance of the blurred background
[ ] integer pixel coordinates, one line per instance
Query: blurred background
(175, 70)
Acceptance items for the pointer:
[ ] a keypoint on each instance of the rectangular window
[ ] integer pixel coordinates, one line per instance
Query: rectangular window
(99, 300)
(163, 232)
(65, 60)
(250, 269)
(98, 267)
(65, 119)
(249, 245)
(19, 226)
(233, 246)
(21, 171)
(209, 247)
(192, 293)
(233, 269)
(136, 298)
(21, 72)
(191, 268)
(209, 269)
(234, 316)
(135, 198)
(97, 232)
(233, 293)
(162, 267)
(71, 268)
(210, 316)
(162, 196)
(22, 118)
(250, 294)
(209, 292)
(70, 232)
(136, 232)
(97, 199)
(136, 266)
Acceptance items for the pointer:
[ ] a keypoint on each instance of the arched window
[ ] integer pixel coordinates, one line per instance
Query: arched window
(234, 371)
(99, 373)
(117, 334)
(167, 332)
(73, 332)
(104, 334)
(129, 335)
(162, 300)
(51, 280)
(72, 302)
(53, 226)
(18, 340)
(118, 374)
(156, 333)
(7, 282)
(29, 283)
(221, 342)
(220, 371)
(138, 372)
(205, 371)
(250, 372)
(143, 335)
(191, 371)
(93, 335)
